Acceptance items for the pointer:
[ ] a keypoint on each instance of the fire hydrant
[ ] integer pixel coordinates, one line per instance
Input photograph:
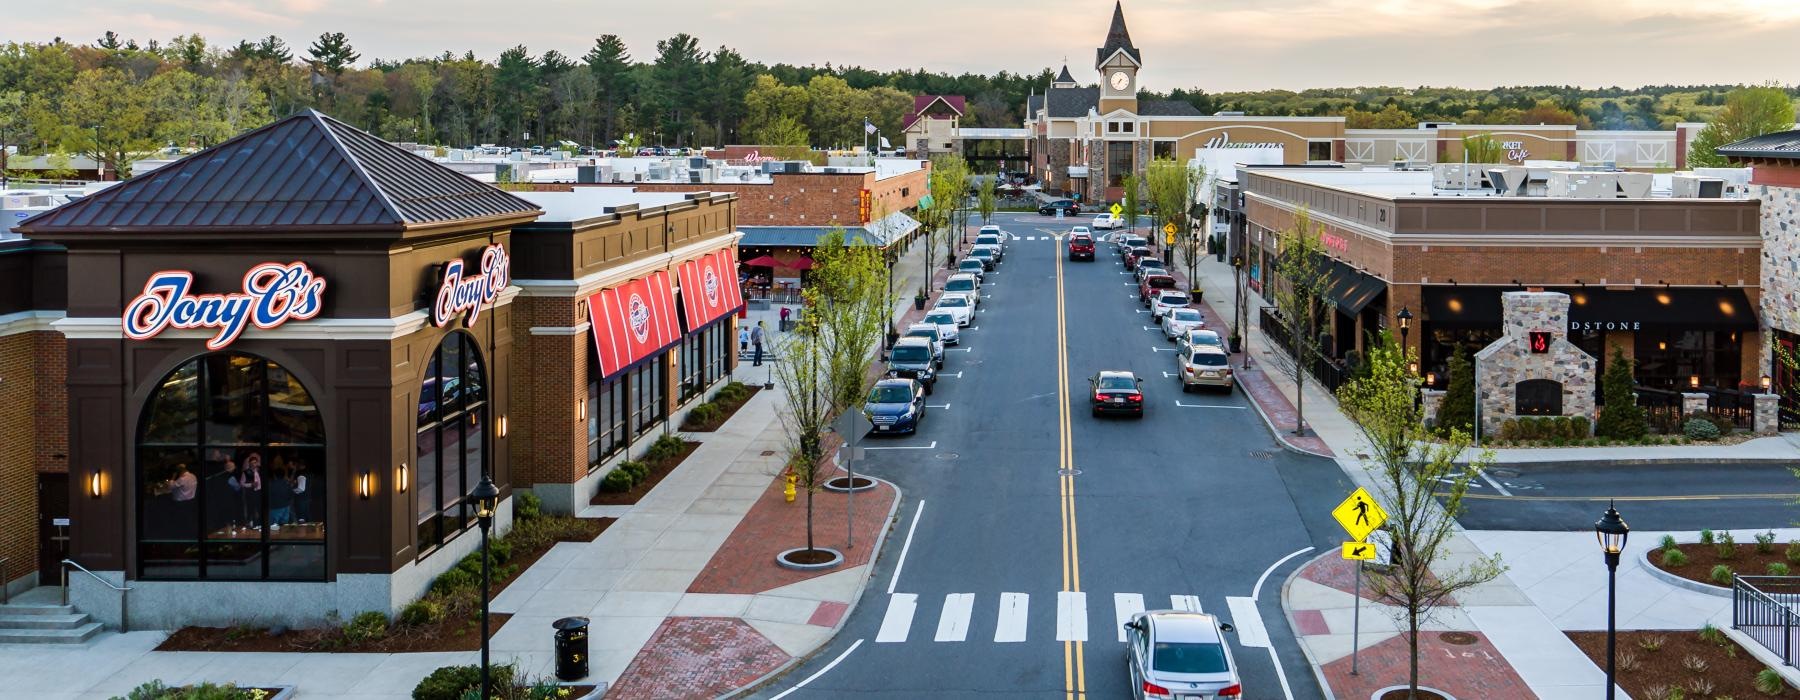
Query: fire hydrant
(788, 491)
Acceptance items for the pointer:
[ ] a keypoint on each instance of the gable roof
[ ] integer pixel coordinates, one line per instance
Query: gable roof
(1781, 145)
(921, 103)
(1117, 39)
(305, 173)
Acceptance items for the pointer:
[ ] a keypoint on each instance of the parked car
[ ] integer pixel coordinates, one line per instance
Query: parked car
(1178, 654)
(971, 266)
(1129, 241)
(1178, 322)
(991, 230)
(895, 405)
(963, 283)
(958, 305)
(1199, 338)
(912, 358)
(993, 240)
(985, 255)
(1080, 231)
(1133, 255)
(1151, 286)
(1150, 265)
(928, 331)
(1108, 222)
(1166, 302)
(946, 323)
(1204, 366)
(994, 248)
(1117, 392)
(1068, 207)
(1081, 247)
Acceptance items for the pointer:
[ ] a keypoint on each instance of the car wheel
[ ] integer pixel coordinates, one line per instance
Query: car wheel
(1185, 389)
(1096, 413)
(927, 389)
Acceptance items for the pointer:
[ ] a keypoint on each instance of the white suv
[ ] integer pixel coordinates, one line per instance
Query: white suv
(1169, 299)
(965, 283)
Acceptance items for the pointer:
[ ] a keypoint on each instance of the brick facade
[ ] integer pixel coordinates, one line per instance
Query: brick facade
(810, 199)
(32, 402)
(548, 444)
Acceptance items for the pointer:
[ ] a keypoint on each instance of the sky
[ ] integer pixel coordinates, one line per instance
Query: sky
(1214, 45)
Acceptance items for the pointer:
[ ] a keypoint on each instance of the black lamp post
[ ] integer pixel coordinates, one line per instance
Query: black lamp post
(486, 497)
(1611, 531)
(1237, 297)
(1406, 318)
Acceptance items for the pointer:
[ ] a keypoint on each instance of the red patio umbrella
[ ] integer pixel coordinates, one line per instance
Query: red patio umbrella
(801, 263)
(763, 261)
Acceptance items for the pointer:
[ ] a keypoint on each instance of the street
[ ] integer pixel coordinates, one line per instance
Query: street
(1028, 533)
(1653, 497)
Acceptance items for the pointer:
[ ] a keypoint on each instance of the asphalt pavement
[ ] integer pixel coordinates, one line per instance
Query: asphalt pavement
(1681, 497)
(1021, 543)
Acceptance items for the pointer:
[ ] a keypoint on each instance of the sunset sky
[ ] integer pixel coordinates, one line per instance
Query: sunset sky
(1210, 44)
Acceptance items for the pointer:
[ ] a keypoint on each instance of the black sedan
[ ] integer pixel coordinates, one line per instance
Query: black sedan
(1117, 392)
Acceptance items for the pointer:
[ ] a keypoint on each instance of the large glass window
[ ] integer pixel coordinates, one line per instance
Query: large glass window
(1118, 162)
(650, 403)
(704, 358)
(231, 474)
(1668, 359)
(452, 439)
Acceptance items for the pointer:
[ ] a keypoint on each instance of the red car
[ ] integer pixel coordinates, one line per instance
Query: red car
(1081, 247)
(1154, 285)
(1117, 392)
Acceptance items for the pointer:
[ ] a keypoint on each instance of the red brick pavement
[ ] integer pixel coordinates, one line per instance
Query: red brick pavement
(1336, 572)
(1473, 671)
(746, 562)
(698, 657)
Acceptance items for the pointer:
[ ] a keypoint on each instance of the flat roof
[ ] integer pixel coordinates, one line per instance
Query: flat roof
(589, 202)
(1399, 184)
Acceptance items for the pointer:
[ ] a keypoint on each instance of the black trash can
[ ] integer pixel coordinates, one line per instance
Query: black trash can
(571, 648)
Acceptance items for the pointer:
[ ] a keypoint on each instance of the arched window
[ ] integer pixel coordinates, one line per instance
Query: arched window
(452, 439)
(231, 474)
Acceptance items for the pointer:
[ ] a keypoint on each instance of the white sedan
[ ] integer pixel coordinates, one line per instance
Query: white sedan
(1177, 323)
(959, 306)
(1108, 222)
(945, 320)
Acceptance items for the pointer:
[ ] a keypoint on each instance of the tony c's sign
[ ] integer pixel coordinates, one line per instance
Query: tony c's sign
(273, 294)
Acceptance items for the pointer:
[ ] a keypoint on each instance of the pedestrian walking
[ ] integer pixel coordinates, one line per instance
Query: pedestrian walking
(756, 343)
(743, 339)
(784, 319)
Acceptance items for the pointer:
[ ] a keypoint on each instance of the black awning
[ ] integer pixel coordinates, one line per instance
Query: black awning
(1716, 309)
(1349, 289)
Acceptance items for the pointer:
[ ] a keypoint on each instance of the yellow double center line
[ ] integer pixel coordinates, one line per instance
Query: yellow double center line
(1074, 672)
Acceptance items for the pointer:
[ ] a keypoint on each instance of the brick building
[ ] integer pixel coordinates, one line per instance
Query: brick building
(1774, 160)
(290, 358)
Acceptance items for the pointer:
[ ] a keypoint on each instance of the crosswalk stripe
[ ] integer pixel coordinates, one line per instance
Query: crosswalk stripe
(1185, 603)
(1124, 606)
(898, 620)
(953, 623)
(1071, 616)
(1248, 621)
(1011, 625)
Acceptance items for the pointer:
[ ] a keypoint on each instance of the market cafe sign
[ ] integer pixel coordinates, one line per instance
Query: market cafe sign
(273, 294)
(1515, 150)
(1223, 140)
(465, 295)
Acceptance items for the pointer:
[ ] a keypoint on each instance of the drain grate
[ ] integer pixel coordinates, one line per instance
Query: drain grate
(1461, 639)
(1265, 455)
(768, 453)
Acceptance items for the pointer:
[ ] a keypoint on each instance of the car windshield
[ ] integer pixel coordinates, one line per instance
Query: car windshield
(1210, 359)
(960, 285)
(982, 253)
(1174, 299)
(1206, 339)
(1080, 240)
(940, 319)
(969, 265)
(1202, 657)
(988, 239)
(891, 393)
(1117, 383)
(930, 333)
(911, 353)
(953, 302)
(1185, 315)
(1152, 262)
(1161, 282)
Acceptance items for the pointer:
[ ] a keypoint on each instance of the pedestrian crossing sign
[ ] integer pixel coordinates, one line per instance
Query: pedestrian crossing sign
(1117, 210)
(1359, 514)
(1359, 551)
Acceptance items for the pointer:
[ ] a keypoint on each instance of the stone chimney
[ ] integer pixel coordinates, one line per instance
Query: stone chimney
(1515, 379)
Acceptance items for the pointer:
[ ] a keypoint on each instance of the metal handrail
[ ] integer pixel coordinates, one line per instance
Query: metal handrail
(123, 611)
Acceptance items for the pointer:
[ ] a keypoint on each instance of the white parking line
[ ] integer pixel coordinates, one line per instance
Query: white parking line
(1153, 348)
(910, 529)
(1495, 484)
(1071, 616)
(1013, 610)
(1167, 375)
(942, 406)
(1124, 606)
(1256, 591)
(898, 620)
(931, 446)
(822, 671)
(1205, 405)
(958, 375)
(1185, 603)
(953, 622)
(960, 349)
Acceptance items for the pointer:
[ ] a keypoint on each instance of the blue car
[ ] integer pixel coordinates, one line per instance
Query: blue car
(895, 405)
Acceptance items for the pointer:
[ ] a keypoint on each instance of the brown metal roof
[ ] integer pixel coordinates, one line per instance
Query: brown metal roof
(307, 172)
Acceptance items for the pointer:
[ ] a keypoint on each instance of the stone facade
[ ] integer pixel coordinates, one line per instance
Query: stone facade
(1780, 213)
(1767, 414)
(1503, 365)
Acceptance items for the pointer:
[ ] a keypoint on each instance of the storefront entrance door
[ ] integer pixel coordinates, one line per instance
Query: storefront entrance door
(53, 526)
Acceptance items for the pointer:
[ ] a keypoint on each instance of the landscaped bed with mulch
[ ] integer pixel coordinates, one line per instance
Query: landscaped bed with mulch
(1683, 665)
(708, 416)
(629, 481)
(447, 618)
(1702, 561)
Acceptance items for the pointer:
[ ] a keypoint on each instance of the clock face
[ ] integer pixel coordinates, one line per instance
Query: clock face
(1120, 80)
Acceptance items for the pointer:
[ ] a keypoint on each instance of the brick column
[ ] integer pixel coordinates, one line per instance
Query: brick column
(1768, 414)
(549, 444)
(1692, 402)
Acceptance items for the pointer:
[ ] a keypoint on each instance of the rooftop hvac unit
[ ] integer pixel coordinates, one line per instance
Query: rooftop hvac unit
(796, 166)
(1635, 185)
(1508, 182)
(658, 171)
(696, 176)
(1737, 180)
(1583, 185)
(696, 163)
(587, 174)
(1456, 176)
(517, 156)
(1695, 186)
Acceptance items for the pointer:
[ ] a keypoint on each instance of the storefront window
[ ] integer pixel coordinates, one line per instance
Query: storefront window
(231, 474)
(650, 400)
(1668, 359)
(452, 439)
(1118, 162)
(703, 359)
(1438, 344)
(607, 412)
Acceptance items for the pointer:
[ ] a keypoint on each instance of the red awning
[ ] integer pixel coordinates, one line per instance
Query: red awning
(709, 288)
(633, 321)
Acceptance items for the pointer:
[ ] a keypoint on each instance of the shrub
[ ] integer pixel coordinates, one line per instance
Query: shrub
(1721, 574)
(1457, 412)
(1765, 542)
(638, 471)
(452, 682)
(1509, 430)
(526, 505)
(1668, 543)
(1778, 569)
(1768, 682)
(1727, 546)
(1793, 552)
(367, 626)
(702, 415)
(421, 612)
(1621, 417)
(1652, 642)
(1580, 427)
(617, 481)
(452, 580)
(1706, 537)
(1711, 634)
(665, 447)
(1629, 661)
(1674, 559)
(1701, 687)
(1693, 663)
(1559, 441)
(1700, 429)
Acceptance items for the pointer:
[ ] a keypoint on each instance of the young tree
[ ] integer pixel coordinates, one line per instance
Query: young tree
(985, 198)
(1482, 148)
(1411, 475)
(1457, 412)
(1299, 299)
(823, 362)
(949, 188)
(1133, 201)
(1748, 112)
(1173, 187)
(1621, 418)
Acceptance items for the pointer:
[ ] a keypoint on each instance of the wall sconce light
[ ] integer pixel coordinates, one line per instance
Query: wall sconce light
(401, 478)
(502, 426)
(365, 486)
(1412, 368)
(1694, 381)
(581, 409)
(94, 484)
(1662, 345)
(1430, 379)
(1767, 382)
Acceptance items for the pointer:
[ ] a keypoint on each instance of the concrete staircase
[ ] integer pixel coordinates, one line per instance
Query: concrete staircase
(40, 623)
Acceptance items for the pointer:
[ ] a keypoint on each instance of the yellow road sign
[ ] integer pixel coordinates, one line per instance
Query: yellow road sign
(1359, 514)
(1169, 229)
(1359, 551)
(1117, 210)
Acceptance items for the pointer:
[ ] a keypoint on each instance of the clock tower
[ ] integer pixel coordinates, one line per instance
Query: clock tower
(1118, 62)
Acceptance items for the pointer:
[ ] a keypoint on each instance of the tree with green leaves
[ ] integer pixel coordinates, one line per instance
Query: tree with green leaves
(728, 78)
(677, 85)
(1132, 201)
(1173, 187)
(1300, 299)
(105, 115)
(822, 364)
(1751, 111)
(331, 55)
(949, 186)
(610, 64)
(986, 199)
(774, 114)
(1421, 486)
(1482, 148)
(1457, 411)
(515, 86)
(1621, 418)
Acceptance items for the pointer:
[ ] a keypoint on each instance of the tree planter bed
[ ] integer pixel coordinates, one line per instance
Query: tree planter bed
(1729, 669)
(658, 469)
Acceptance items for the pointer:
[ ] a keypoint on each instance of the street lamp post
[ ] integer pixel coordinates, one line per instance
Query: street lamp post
(1237, 297)
(1611, 531)
(1406, 317)
(486, 497)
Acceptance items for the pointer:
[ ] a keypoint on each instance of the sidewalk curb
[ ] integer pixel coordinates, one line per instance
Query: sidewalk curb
(1276, 432)
(794, 662)
(1637, 462)
(1318, 671)
(1677, 581)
